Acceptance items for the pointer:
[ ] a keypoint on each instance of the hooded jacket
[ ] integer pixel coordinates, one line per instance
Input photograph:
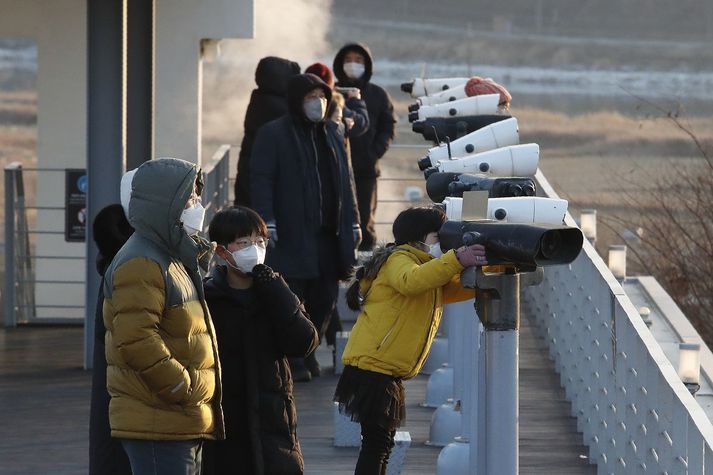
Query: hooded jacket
(106, 456)
(163, 371)
(267, 102)
(369, 147)
(404, 290)
(256, 334)
(286, 186)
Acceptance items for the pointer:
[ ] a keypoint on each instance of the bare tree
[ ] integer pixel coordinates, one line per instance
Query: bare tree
(675, 242)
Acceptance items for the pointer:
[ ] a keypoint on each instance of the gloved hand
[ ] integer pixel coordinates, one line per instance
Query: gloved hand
(205, 251)
(473, 255)
(357, 235)
(263, 274)
(271, 234)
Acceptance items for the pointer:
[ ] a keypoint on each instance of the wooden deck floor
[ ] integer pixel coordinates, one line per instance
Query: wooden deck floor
(44, 411)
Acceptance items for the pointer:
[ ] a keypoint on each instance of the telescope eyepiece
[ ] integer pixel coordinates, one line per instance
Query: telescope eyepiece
(414, 107)
(515, 190)
(424, 164)
(407, 87)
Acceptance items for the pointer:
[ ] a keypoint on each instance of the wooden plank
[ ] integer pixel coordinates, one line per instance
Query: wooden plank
(44, 406)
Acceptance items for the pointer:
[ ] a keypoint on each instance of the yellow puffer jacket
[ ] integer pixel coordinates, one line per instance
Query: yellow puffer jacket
(163, 369)
(402, 310)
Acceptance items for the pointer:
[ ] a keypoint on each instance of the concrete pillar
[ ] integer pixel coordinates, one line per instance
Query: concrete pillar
(106, 137)
(139, 82)
(180, 27)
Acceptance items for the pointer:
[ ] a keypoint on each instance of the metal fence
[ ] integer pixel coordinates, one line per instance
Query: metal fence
(24, 247)
(635, 414)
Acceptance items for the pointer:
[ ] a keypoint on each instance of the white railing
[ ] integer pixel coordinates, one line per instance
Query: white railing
(635, 414)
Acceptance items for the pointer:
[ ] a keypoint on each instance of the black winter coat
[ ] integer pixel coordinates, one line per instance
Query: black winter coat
(267, 102)
(257, 329)
(285, 188)
(106, 456)
(368, 148)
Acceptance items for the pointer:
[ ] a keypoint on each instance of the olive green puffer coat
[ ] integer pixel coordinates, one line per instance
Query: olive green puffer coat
(163, 370)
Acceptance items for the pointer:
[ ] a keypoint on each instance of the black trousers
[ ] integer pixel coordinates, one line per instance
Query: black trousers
(366, 199)
(320, 294)
(376, 445)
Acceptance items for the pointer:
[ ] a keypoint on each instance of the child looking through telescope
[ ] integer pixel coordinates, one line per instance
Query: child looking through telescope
(400, 291)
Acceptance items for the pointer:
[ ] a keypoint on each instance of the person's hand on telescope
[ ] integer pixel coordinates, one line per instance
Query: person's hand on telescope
(473, 255)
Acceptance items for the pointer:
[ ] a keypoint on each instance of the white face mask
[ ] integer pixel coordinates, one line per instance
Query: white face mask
(354, 70)
(246, 259)
(435, 250)
(192, 218)
(315, 109)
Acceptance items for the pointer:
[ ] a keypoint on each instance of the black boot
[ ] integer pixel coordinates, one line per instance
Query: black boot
(313, 365)
(300, 373)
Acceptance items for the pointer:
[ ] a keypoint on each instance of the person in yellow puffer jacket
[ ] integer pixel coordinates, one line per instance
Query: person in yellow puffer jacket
(401, 291)
(163, 368)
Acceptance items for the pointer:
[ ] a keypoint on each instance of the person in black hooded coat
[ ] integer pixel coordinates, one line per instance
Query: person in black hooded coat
(259, 322)
(368, 148)
(303, 187)
(106, 456)
(267, 102)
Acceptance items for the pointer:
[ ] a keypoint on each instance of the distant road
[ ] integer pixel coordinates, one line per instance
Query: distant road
(475, 33)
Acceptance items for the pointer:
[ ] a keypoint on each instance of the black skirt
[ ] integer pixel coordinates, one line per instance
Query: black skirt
(371, 398)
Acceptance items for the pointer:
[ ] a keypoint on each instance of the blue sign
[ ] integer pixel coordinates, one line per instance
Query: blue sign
(82, 184)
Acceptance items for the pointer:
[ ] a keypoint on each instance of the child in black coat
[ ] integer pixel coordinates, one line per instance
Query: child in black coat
(258, 322)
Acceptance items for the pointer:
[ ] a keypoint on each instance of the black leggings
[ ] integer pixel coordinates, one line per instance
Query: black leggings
(376, 445)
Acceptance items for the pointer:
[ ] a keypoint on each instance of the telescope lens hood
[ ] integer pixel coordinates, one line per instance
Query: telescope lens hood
(407, 87)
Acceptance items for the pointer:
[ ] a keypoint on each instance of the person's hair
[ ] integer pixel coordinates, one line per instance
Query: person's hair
(234, 222)
(414, 224)
(111, 230)
(353, 295)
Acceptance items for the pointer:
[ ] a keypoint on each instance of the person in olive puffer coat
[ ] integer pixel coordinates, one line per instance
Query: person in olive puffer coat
(163, 370)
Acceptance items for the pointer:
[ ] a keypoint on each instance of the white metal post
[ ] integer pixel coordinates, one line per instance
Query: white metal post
(498, 307)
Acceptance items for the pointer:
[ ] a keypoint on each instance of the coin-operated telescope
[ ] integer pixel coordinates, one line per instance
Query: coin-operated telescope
(423, 87)
(438, 128)
(498, 134)
(476, 105)
(524, 246)
(441, 185)
(515, 160)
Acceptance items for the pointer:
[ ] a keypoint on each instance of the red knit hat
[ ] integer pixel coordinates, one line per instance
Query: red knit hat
(322, 71)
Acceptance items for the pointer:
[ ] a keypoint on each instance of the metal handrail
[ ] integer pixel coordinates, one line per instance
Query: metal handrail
(631, 407)
(19, 289)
